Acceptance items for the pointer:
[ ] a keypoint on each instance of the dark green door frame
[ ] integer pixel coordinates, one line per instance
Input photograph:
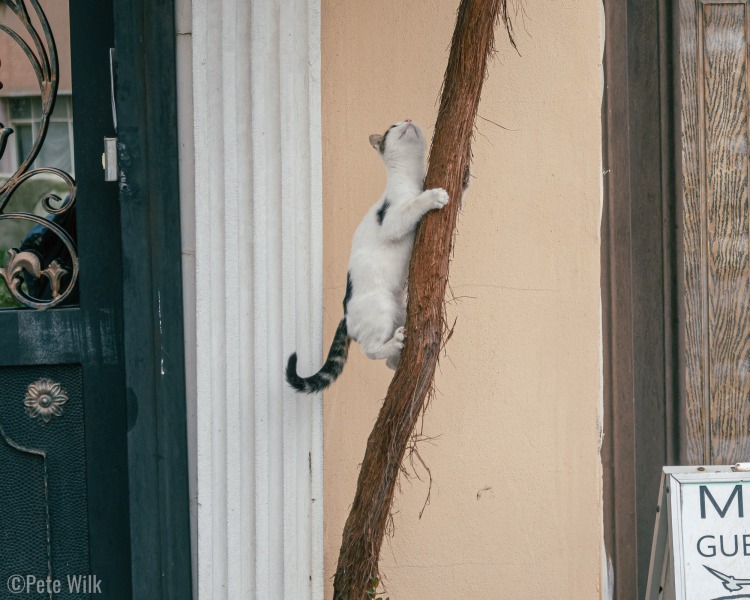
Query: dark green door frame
(153, 318)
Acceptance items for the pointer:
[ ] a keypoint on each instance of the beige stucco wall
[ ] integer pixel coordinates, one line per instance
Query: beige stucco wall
(516, 508)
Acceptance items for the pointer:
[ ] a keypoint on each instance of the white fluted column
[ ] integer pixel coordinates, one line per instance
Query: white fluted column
(255, 220)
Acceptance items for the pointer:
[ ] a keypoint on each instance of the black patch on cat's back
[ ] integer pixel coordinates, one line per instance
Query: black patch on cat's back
(349, 291)
(382, 210)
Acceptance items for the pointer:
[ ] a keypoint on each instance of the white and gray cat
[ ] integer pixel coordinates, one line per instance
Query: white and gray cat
(375, 300)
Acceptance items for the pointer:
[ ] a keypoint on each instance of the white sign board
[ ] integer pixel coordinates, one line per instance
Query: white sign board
(701, 548)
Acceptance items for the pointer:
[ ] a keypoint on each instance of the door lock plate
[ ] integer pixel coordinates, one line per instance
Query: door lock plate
(109, 159)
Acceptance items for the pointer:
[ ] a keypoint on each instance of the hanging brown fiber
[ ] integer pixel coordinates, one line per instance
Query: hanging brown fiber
(471, 48)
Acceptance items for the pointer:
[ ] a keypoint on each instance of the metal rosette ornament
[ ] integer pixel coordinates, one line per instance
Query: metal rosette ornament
(27, 265)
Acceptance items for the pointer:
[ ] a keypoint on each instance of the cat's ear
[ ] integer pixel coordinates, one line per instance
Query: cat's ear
(375, 140)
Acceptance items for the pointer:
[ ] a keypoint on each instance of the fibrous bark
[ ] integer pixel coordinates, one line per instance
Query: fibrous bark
(471, 48)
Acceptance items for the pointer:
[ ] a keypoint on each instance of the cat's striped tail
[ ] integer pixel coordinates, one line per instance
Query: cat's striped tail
(331, 369)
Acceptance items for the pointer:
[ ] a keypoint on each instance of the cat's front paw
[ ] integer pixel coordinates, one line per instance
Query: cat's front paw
(439, 198)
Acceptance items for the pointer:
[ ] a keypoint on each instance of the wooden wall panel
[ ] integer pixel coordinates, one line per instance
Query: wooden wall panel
(694, 447)
(717, 268)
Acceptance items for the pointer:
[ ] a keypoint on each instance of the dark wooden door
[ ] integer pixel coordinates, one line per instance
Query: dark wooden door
(675, 254)
(63, 416)
(716, 324)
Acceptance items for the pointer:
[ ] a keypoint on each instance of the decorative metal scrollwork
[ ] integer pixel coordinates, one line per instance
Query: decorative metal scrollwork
(25, 266)
(45, 399)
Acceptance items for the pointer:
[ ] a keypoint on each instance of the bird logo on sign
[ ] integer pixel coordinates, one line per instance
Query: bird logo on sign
(730, 583)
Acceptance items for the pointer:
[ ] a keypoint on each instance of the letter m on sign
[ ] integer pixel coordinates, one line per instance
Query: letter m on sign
(705, 493)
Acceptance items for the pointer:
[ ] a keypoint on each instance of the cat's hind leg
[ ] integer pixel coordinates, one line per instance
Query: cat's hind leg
(391, 349)
(371, 320)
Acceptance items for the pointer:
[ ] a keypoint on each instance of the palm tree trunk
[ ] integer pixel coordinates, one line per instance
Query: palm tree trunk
(471, 48)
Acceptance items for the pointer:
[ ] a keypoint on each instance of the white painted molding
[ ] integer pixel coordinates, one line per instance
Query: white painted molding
(252, 220)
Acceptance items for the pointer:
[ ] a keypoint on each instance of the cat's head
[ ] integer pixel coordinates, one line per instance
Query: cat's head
(401, 142)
